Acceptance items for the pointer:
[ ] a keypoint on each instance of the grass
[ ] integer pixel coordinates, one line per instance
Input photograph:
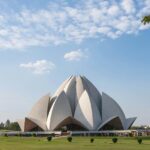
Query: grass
(78, 143)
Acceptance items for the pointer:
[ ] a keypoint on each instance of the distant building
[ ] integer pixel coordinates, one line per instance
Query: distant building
(77, 106)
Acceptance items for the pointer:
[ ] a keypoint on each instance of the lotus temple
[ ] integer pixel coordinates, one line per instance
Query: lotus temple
(78, 106)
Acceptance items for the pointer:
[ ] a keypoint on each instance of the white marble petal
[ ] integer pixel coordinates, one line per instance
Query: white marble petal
(39, 112)
(87, 112)
(60, 110)
(110, 108)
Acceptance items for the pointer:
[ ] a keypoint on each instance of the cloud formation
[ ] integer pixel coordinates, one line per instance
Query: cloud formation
(62, 22)
(39, 67)
(75, 55)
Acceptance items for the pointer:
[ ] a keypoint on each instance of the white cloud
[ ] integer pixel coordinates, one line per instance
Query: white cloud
(128, 6)
(75, 55)
(61, 22)
(39, 67)
(113, 10)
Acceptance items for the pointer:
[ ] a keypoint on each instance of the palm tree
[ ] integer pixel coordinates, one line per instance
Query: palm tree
(146, 19)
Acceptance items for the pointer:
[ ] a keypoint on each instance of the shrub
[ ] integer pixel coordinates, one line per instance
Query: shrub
(92, 140)
(69, 139)
(139, 141)
(114, 140)
(49, 138)
(5, 134)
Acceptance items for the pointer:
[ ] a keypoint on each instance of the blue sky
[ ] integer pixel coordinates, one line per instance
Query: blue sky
(44, 42)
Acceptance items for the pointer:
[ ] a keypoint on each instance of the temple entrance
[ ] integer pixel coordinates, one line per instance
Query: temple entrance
(114, 124)
(71, 124)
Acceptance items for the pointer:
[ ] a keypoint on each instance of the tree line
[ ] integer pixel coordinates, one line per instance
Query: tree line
(8, 125)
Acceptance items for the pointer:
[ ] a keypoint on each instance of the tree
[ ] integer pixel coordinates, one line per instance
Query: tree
(14, 126)
(146, 19)
(7, 124)
(2, 125)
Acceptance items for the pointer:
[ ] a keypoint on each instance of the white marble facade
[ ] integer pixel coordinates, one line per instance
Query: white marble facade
(78, 102)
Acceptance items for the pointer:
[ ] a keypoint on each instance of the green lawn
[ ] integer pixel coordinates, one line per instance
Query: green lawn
(78, 143)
